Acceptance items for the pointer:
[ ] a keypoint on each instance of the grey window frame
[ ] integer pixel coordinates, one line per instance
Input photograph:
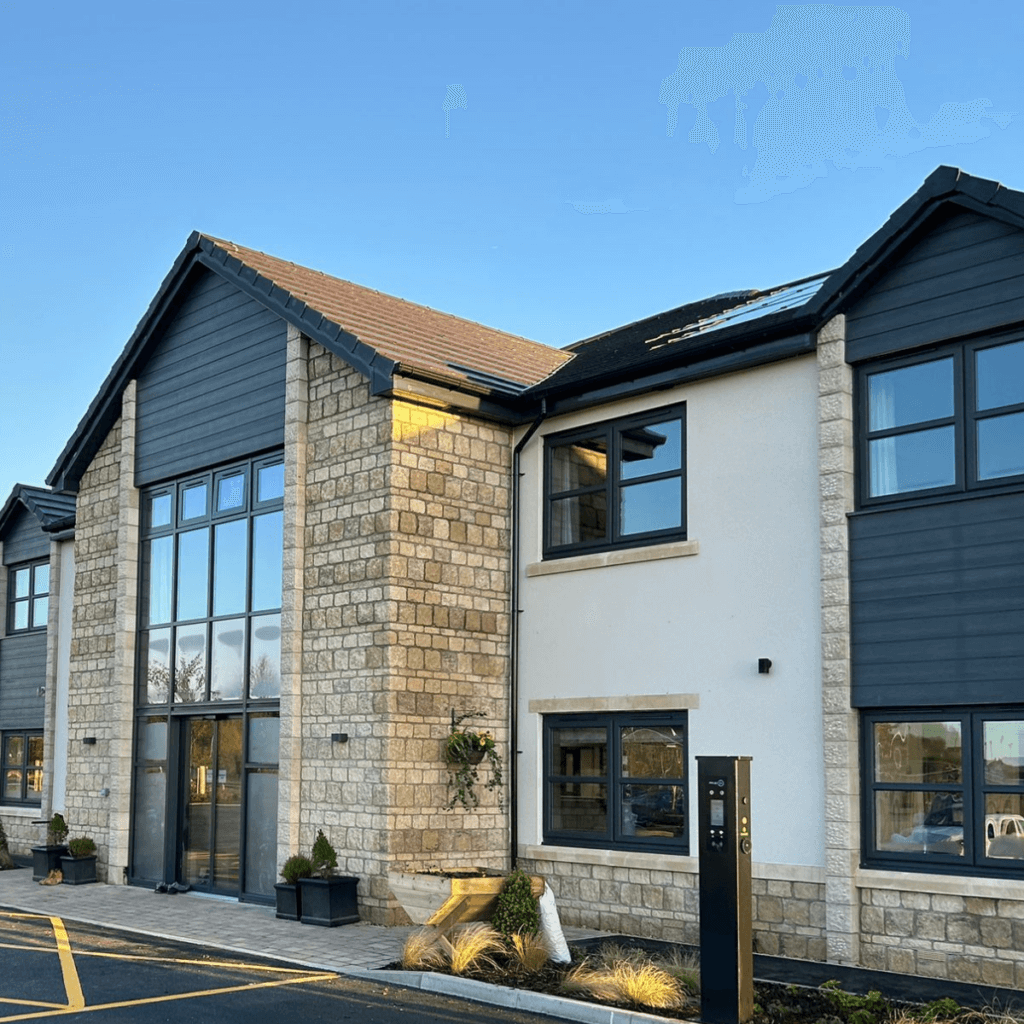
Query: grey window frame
(965, 419)
(24, 766)
(613, 837)
(249, 511)
(12, 601)
(612, 430)
(972, 786)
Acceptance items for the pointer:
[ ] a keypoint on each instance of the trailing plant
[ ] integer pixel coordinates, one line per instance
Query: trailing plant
(83, 846)
(56, 830)
(465, 750)
(324, 859)
(517, 912)
(295, 867)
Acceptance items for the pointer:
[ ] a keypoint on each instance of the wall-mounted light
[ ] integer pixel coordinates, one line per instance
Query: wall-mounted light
(339, 737)
(764, 666)
(89, 741)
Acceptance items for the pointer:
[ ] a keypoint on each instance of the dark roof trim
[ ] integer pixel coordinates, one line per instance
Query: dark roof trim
(751, 343)
(54, 511)
(945, 185)
(759, 354)
(371, 364)
(105, 408)
(440, 395)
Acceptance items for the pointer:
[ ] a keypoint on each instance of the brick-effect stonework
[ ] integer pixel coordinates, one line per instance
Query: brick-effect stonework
(788, 917)
(959, 938)
(405, 617)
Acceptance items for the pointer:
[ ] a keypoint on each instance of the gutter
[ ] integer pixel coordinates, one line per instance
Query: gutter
(514, 612)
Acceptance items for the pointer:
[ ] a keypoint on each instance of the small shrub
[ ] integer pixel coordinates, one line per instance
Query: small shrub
(423, 951)
(82, 847)
(324, 858)
(941, 1009)
(470, 947)
(867, 1009)
(295, 867)
(517, 912)
(56, 830)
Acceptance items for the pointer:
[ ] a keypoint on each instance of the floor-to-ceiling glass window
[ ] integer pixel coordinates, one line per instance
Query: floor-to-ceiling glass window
(208, 681)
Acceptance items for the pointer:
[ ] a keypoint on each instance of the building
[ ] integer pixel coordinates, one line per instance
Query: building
(37, 574)
(314, 523)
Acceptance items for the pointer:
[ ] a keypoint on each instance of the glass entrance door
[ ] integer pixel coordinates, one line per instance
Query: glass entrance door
(211, 827)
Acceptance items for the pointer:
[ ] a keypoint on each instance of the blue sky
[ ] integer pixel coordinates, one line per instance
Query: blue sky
(557, 205)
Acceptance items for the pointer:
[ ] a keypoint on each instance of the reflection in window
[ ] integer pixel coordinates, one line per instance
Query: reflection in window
(265, 659)
(21, 758)
(616, 780)
(29, 602)
(947, 789)
(616, 482)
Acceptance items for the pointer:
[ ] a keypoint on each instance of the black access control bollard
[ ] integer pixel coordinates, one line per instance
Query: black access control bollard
(726, 938)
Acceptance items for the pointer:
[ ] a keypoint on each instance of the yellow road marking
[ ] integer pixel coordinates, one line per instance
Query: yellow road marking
(31, 1002)
(165, 960)
(72, 986)
(64, 1010)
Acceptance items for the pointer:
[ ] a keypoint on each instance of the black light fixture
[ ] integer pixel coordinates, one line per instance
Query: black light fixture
(339, 737)
(89, 741)
(764, 666)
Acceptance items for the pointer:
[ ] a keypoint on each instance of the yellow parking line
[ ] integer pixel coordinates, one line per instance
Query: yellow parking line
(31, 1002)
(64, 1010)
(72, 986)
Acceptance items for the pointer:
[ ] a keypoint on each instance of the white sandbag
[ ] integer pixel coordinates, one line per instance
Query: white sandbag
(551, 928)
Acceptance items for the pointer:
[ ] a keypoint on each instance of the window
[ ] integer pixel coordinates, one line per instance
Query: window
(948, 422)
(616, 484)
(29, 597)
(616, 780)
(945, 791)
(22, 767)
(210, 595)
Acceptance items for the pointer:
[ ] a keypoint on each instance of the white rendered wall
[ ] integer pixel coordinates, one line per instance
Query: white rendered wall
(60, 728)
(698, 624)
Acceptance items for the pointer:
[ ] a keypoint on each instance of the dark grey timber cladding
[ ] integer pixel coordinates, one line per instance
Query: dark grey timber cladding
(25, 540)
(213, 389)
(22, 673)
(937, 603)
(967, 275)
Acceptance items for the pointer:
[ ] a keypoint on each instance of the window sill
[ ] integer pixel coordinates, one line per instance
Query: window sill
(943, 885)
(611, 858)
(680, 549)
(627, 702)
(21, 810)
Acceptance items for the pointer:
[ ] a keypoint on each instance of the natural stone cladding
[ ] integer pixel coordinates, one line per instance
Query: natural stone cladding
(405, 619)
(959, 938)
(91, 708)
(660, 903)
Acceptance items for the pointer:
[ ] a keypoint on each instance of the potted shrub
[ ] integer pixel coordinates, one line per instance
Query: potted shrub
(79, 866)
(47, 858)
(327, 899)
(465, 750)
(289, 893)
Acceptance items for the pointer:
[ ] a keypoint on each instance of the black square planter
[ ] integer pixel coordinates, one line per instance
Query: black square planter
(46, 859)
(78, 870)
(289, 901)
(329, 901)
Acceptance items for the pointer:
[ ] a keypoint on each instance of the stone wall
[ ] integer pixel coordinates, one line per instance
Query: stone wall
(91, 710)
(606, 890)
(405, 619)
(959, 938)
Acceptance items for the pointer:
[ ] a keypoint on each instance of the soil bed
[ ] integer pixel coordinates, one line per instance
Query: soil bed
(775, 1002)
